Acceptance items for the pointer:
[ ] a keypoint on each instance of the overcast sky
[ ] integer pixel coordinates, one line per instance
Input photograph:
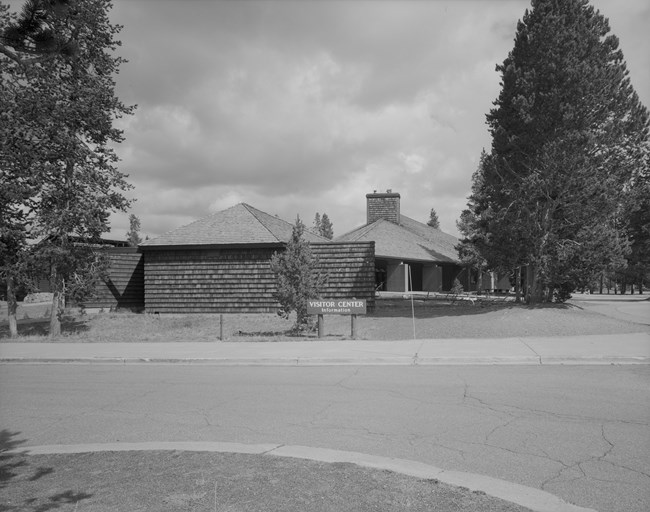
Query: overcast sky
(297, 107)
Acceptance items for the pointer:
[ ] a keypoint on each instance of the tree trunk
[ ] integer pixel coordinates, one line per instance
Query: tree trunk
(518, 285)
(534, 292)
(55, 315)
(58, 303)
(12, 307)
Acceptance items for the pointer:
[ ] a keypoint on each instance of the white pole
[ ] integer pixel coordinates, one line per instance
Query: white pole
(412, 306)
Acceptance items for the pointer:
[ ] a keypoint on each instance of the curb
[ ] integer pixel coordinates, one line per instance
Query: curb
(534, 499)
(395, 361)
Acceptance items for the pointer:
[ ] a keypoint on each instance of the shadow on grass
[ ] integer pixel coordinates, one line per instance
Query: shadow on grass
(272, 336)
(262, 333)
(41, 327)
(430, 309)
(15, 469)
(10, 460)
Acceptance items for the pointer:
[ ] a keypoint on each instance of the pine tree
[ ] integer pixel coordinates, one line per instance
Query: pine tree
(58, 136)
(326, 228)
(433, 219)
(322, 226)
(35, 35)
(569, 143)
(317, 224)
(133, 235)
(298, 280)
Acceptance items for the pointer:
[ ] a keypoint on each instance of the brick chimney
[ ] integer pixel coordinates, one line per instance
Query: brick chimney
(383, 205)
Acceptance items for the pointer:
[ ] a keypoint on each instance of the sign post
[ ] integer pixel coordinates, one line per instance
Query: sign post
(352, 307)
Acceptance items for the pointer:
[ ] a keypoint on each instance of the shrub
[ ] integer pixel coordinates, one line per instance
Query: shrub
(457, 288)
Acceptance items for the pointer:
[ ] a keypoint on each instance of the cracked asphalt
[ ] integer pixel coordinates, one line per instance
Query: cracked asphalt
(579, 432)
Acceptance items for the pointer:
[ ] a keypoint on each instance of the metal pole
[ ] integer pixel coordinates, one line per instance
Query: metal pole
(354, 326)
(221, 327)
(321, 326)
(412, 306)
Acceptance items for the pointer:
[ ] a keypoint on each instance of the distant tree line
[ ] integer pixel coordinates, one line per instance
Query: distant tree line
(323, 226)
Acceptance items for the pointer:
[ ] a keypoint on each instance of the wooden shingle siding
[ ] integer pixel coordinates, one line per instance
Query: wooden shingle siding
(350, 267)
(125, 287)
(241, 280)
(209, 281)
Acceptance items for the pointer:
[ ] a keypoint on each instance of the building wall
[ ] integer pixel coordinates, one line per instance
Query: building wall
(428, 278)
(350, 267)
(395, 277)
(124, 288)
(432, 278)
(241, 280)
(209, 281)
(494, 281)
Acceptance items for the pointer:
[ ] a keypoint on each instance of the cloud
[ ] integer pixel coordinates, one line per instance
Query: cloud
(298, 107)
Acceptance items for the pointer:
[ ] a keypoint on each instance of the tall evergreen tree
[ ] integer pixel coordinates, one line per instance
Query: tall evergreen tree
(638, 261)
(133, 235)
(317, 222)
(433, 221)
(569, 147)
(326, 228)
(58, 138)
(323, 226)
(297, 276)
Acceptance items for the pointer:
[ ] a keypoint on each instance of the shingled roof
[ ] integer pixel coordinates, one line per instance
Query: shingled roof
(238, 225)
(408, 240)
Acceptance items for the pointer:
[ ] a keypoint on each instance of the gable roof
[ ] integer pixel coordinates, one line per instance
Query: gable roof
(238, 225)
(408, 240)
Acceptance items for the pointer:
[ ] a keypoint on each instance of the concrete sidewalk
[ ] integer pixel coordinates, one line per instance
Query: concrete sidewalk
(598, 349)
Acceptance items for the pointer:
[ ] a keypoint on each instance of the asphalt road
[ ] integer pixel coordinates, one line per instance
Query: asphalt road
(582, 433)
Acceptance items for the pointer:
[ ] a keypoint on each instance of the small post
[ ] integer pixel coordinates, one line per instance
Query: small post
(321, 326)
(221, 327)
(354, 326)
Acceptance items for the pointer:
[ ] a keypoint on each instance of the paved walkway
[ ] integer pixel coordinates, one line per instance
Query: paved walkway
(594, 349)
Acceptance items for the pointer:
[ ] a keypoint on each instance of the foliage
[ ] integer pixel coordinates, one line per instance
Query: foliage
(34, 35)
(457, 287)
(133, 235)
(569, 150)
(58, 135)
(298, 280)
(323, 226)
(326, 227)
(433, 219)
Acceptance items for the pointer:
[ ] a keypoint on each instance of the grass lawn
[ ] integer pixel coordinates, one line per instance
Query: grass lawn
(392, 320)
(198, 481)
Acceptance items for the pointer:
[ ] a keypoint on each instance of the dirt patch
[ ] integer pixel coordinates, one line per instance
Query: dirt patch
(172, 481)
